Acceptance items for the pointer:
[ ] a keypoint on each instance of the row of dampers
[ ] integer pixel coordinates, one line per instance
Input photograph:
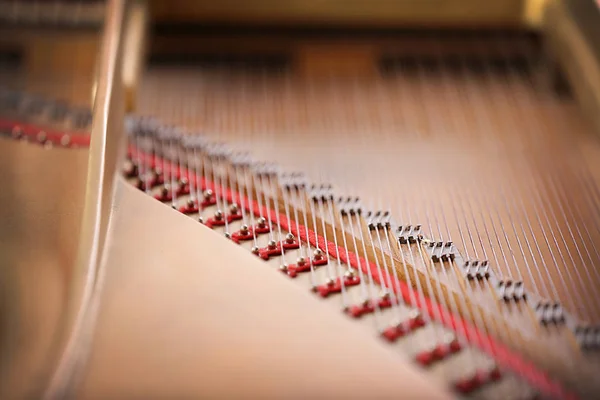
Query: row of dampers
(428, 342)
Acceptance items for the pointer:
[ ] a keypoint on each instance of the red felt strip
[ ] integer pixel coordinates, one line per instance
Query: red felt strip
(31, 132)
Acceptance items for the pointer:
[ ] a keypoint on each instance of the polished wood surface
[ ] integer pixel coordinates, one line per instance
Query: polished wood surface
(357, 12)
(571, 28)
(55, 64)
(41, 210)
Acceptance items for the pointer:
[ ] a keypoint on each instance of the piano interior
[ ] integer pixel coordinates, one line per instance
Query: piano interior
(431, 175)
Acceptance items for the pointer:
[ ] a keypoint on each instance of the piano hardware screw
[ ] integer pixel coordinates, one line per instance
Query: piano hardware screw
(448, 339)
(301, 261)
(272, 244)
(255, 250)
(41, 137)
(65, 141)
(318, 254)
(233, 208)
(208, 194)
(17, 132)
(283, 267)
(244, 229)
(262, 222)
(289, 238)
(218, 215)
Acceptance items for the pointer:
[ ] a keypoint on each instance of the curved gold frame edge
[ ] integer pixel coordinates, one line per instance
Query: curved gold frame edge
(106, 149)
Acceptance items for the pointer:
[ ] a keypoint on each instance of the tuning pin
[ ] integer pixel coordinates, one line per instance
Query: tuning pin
(81, 118)
(33, 106)
(318, 254)
(65, 140)
(58, 111)
(10, 100)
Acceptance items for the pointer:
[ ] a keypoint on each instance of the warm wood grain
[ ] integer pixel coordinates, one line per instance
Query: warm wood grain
(374, 12)
(41, 207)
